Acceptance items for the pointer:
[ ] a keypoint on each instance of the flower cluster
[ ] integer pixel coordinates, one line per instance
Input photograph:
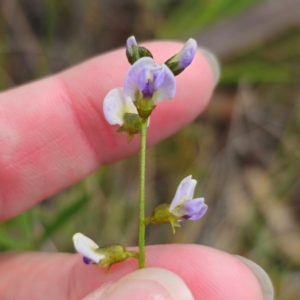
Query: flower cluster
(146, 83)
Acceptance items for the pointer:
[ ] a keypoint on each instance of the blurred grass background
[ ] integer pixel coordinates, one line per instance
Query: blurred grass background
(243, 150)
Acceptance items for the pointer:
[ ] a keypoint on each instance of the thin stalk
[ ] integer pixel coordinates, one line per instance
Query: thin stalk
(142, 196)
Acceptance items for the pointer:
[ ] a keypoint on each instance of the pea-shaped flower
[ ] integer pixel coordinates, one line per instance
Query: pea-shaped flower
(102, 256)
(183, 207)
(119, 109)
(147, 83)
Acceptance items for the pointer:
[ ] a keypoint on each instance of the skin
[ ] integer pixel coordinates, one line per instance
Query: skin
(53, 134)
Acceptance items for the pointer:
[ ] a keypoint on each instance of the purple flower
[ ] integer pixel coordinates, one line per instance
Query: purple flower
(183, 205)
(147, 80)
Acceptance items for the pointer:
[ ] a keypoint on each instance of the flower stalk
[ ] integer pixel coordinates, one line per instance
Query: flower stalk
(142, 196)
(146, 84)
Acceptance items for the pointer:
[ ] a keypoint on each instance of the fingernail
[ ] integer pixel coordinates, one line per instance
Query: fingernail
(213, 62)
(262, 277)
(146, 284)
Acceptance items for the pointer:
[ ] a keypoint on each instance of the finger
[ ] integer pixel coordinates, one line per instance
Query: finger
(150, 283)
(207, 272)
(53, 132)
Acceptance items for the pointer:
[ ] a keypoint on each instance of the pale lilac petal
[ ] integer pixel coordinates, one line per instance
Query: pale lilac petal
(86, 247)
(142, 78)
(186, 55)
(115, 105)
(190, 193)
(130, 43)
(159, 77)
(181, 192)
(167, 87)
(194, 209)
(131, 79)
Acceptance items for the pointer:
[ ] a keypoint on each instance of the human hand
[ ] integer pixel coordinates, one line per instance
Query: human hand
(53, 133)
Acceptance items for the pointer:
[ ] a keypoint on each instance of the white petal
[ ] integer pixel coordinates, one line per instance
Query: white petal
(115, 105)
(128, 105)
(131, 79)
(191, 189)
(86, 247)
(181, 193)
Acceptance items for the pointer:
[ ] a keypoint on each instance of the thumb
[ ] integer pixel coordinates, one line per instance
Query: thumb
(146, 284)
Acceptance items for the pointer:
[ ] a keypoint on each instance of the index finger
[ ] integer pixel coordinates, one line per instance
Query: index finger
(53, 132)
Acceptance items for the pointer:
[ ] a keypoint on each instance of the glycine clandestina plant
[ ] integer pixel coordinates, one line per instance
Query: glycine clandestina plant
(146, 84)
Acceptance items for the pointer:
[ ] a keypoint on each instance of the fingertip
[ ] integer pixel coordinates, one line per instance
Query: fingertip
(209, 273)
(213, 62)
(148, 283)
(261, 276)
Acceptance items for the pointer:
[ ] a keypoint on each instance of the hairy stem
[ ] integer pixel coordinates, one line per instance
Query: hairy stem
(142, 196)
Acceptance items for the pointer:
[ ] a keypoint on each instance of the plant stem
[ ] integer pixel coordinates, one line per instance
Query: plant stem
(142, 196)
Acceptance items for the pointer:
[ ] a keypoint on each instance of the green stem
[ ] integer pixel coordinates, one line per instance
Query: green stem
(142, 196)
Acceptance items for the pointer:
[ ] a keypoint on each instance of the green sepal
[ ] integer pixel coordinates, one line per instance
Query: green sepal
(172, 64)
(114, 254)
(161, 215)
(144, 52)
(144, 107)
(145, 114)
(137, 52)
(174, 224)
(132, 125)
(133, 54)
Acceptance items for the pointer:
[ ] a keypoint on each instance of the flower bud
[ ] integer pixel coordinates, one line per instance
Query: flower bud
(182, 59)
(102, 256)
(134, 52)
